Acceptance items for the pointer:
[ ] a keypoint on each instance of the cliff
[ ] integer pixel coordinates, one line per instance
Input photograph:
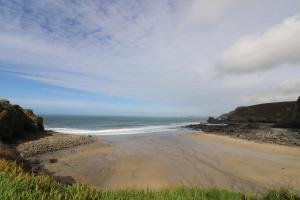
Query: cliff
(263, 113)
(15, 121)
(293, 121)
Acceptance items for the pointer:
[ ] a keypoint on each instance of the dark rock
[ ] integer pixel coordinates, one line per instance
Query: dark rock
(35, 162)
(36, 122)
(295, 115)
(14, 121)
(213, 120)
(65, 179)
(251, 125)
(53, 160)
(256, 123)
(293, 121)
(210, 128)
(8, 153)
(261, 113)
(251, 131)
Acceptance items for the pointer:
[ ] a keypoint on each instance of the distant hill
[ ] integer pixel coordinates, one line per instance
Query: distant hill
(264, 113)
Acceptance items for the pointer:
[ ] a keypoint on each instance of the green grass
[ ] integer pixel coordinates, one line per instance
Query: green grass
(16, 184)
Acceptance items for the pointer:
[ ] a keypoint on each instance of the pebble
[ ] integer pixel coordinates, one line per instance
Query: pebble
(54, 142)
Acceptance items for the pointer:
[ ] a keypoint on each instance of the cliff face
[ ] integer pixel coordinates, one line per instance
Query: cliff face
(294, 120)
(14, 121)
(264, 113)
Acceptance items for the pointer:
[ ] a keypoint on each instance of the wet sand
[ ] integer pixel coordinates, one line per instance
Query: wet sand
(164, 160)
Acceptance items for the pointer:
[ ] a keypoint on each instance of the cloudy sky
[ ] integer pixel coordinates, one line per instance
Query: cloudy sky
(148, 57)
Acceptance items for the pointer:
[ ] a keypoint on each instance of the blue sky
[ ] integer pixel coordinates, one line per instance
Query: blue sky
(145, 57)
(48, 99)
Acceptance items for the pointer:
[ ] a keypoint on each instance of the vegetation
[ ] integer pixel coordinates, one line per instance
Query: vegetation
(16, 107)
(15, 183)
(16, 122)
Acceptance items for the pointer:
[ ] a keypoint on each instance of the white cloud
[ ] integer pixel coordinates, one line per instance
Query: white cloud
(279, 45)
(288, 90)
(154, 51)
(122, 48)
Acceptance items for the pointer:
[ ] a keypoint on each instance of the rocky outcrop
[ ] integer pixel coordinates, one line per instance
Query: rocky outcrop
(228, 128)
(294, 119)
(262, 133)
(14, 121)
(295, 115)
(9, 153)
(258, 123)
(212, 120)
(262, 113)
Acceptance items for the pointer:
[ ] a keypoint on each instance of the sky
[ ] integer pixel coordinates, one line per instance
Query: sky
(148, 57)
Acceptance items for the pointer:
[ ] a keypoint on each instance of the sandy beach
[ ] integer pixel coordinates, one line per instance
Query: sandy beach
(171, 159)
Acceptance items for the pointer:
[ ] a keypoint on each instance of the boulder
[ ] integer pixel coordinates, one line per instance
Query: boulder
(8, 153)
(14, 121)
(212, 120)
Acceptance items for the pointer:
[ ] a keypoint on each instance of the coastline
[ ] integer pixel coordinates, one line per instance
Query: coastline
(264, 133)
(49, 141)
(250, 144)
(158, 161)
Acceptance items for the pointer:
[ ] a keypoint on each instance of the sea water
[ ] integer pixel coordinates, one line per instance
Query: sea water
(115, 125)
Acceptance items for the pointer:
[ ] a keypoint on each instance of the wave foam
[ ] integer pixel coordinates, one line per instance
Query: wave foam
(120, 131)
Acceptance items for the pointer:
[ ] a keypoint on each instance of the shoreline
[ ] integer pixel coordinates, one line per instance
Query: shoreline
(263, 133)
(158, 161)
(50, 141)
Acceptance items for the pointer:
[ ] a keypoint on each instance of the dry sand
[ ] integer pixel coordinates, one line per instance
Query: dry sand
(166, 160)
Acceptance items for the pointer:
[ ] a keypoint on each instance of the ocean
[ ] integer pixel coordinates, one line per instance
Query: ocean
(115, 125)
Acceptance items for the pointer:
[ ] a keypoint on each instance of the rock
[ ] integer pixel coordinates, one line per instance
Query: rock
(14, 121)
(295, 115)
(53, 160)
(52, 142)
(251, 131)
(251, 125)
(36, 121)
(293, 121)
(213, 120)
(8, 153)
(65, 179)
(261, 113)
(35, 162)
